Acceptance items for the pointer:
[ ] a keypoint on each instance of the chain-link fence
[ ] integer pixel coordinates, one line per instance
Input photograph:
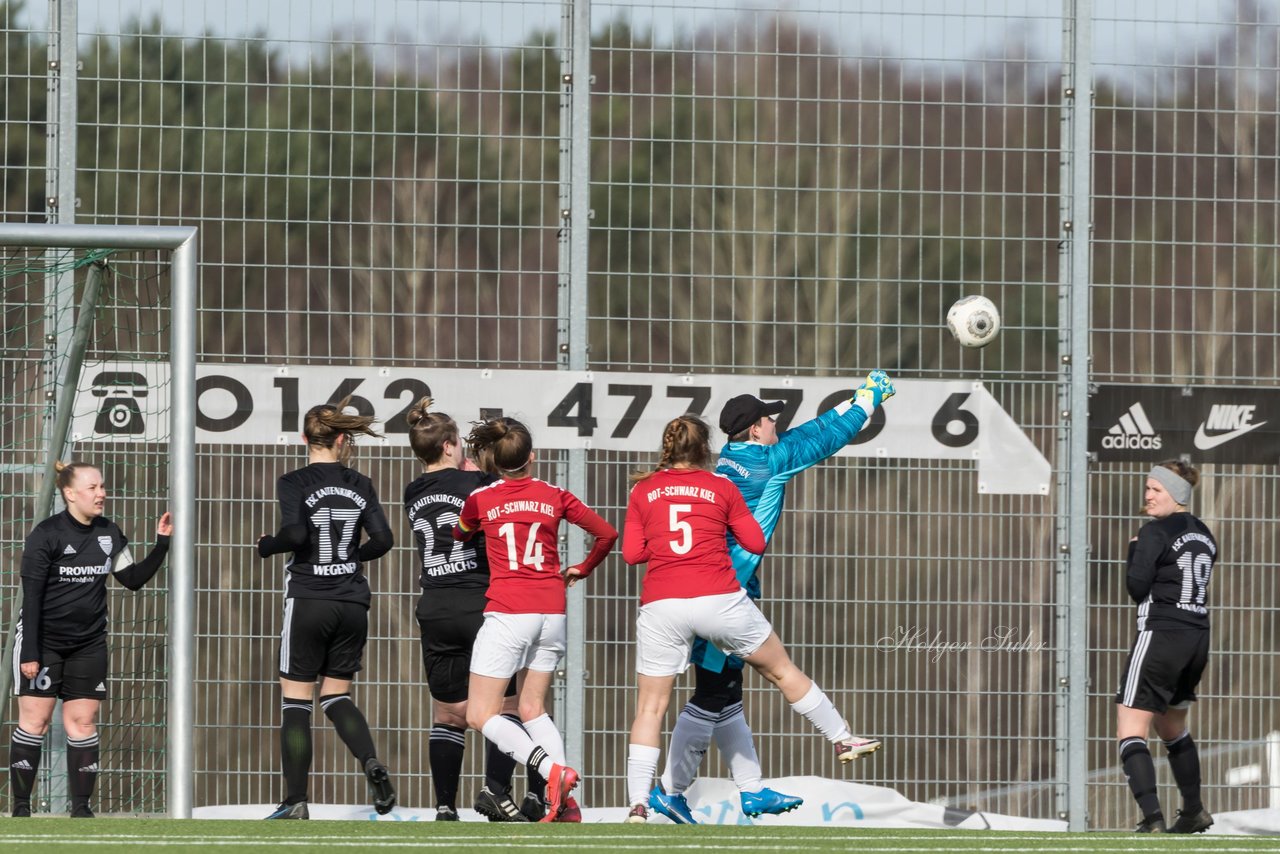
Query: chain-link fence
(776, 194)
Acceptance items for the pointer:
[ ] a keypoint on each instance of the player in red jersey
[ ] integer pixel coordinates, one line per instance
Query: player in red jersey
(677, 519)
(524, 621)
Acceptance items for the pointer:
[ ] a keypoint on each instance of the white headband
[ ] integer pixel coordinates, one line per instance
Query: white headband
(1179, 489)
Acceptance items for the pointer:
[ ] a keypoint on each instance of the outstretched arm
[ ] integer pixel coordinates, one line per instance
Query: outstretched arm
(814, 441)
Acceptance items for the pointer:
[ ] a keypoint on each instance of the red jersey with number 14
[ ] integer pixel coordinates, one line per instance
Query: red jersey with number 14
(521, 522)
(676, 522)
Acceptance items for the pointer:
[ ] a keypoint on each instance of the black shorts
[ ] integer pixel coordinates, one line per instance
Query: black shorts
(76, 674)
(1164, 669)
(322, 637)
(715, 692)
(449, 624)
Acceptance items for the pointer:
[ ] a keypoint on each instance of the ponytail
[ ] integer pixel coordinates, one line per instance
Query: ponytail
(685, 440)
(323, 425)
(429, 431)
(501, 445)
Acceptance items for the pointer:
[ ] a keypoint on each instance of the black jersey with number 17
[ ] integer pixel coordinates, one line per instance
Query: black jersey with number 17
(335, 504)
(432, 503)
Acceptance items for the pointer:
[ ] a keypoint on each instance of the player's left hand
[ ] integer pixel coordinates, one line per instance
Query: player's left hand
(876, 389)
(572, 576)
(164, 525)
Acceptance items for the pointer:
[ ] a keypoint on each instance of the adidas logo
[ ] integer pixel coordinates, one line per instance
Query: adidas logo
(1132, 432)
(102, 686)
(21, 765)
(90, 769)
(68, 550)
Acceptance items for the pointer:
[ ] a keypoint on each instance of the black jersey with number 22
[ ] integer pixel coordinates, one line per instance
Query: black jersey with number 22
(432, 503)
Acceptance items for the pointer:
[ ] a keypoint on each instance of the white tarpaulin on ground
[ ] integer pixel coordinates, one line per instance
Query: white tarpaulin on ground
(827, 803)
(714, 801)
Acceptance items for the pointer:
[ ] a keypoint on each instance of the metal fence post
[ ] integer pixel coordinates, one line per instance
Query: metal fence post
(60, 204)
(575, 154)
(1073, 489)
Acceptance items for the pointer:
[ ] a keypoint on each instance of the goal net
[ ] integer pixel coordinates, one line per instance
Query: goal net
(84, 375)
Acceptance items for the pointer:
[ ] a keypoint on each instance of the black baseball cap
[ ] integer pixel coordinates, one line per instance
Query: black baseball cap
(744, 410)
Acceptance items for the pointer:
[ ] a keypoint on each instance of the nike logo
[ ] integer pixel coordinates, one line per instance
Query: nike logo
(1205, 442)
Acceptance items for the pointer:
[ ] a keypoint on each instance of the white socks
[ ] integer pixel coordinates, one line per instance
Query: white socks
(512, 740)
(642, 764)
(822, 714)
(543, 731)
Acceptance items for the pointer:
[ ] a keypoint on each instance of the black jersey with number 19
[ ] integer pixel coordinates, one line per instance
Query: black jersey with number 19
(1169, 567)
(334, 504)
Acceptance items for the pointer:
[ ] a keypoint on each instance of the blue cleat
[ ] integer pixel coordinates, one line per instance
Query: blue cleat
(768, 802)
(674, 807)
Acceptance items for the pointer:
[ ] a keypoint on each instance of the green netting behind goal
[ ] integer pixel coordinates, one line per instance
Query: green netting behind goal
(120, 423)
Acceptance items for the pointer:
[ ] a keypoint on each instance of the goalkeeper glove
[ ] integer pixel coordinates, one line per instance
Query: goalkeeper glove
(875, 390)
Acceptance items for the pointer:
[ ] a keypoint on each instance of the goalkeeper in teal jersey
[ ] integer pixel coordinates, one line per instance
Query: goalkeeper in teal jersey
(761, 461)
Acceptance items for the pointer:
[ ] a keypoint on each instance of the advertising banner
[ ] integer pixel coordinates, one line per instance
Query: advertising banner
(1207, 423)
(263, 404)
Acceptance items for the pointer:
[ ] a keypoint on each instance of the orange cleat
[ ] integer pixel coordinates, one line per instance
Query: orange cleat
(560, 783)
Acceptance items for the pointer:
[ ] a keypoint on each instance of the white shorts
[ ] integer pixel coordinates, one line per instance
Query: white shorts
(666, 628)
(508, 643)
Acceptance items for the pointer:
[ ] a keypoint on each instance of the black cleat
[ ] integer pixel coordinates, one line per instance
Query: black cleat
(498, 807)
(446, 813)
(295, 811)
(1151, 824)
(384, 795)
(21, 809)
(81, 811)
(533, 807)
(1193, 822)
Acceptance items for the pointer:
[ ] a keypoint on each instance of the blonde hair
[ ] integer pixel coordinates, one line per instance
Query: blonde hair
(685, 439)
(323, 425)
(65, 473)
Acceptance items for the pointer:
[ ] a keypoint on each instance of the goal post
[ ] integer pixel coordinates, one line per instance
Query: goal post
(181, 243)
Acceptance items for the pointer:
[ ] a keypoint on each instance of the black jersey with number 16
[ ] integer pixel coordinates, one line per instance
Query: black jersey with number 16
(69, 563)
(432, 502)
(335, 504)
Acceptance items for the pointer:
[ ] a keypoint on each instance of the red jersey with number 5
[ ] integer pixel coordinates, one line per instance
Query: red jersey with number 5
(521, 522)
(676, 522)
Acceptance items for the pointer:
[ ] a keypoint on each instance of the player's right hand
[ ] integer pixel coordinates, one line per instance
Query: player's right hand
(875, 390)
(30, 669)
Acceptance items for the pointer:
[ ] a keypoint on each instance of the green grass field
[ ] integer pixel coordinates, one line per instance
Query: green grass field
(128, 834)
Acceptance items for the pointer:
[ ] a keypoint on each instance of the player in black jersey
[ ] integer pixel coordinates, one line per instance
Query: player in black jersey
(1170, 563)
(455, 576)
(323, 509)
(61, 646)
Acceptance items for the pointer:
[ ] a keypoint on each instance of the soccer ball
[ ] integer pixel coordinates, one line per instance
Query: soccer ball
(974, 321)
